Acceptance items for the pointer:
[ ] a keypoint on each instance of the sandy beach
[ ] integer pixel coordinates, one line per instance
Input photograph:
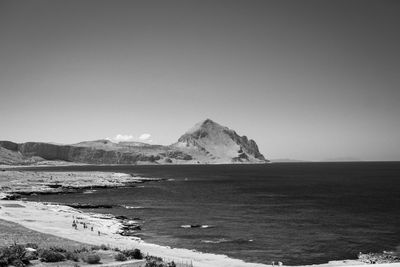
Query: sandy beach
(57, 220)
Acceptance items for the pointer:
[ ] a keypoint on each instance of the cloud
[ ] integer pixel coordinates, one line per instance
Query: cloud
(123, 138)
(145, 137)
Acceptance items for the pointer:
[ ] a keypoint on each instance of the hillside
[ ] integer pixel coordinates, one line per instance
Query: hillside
(206, 143)
(214, 143)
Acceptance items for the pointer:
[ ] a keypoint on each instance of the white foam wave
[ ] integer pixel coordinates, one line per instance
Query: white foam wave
(196, 226)
(132, 207)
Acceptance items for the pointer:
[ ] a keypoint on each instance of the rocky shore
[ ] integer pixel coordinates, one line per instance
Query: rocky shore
(14, 184)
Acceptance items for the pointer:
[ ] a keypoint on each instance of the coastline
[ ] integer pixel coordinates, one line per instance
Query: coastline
(56, 219)
(14, 184)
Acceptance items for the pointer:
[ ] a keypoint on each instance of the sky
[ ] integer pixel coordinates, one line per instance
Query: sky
(308, 80)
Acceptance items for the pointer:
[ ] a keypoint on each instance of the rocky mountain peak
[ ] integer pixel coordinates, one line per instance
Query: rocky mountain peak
(219, 143)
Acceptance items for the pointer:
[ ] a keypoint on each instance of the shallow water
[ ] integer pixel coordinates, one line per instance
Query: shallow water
(297, 213)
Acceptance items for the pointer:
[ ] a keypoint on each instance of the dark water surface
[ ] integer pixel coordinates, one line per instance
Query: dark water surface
(297, 213)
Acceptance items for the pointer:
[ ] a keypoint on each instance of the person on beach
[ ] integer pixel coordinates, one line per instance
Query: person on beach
(98, 232)
(273, 263)
(91, 228)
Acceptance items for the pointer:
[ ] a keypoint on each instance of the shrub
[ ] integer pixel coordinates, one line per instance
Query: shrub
(13, 255)
(5, 256)
(104, 247)
(31, 253)
(92, 259)
(120, 257)
(95, 248)
(3, 261)
(151, 263)
(72, 256)
(154, 263)
(58, 249)
(80, 250)
(133, 254)
(48, 255)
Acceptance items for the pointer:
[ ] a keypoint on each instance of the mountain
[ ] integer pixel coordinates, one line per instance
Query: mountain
(214, 143)
(206, 143)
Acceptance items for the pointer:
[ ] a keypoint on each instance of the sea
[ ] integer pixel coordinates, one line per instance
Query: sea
(296, 213)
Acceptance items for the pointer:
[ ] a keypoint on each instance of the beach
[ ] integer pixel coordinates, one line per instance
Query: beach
(57, 220)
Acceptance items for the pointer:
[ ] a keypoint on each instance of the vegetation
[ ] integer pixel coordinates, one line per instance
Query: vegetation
(120, 257)
(20, 255)
(48, 255)
(152, 261)
(72, 256)
(92, 259)
(15, 255)
(105, 247)
(58, 249)
(95, 248)
(133, 254)
(379, 258)
(82, 249)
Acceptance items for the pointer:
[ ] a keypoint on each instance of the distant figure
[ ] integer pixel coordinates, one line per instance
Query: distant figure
(98, 232)
(273, 263)
(280, 263)
(91, 228)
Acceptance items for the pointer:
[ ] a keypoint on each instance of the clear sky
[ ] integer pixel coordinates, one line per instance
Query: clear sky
(305, 79)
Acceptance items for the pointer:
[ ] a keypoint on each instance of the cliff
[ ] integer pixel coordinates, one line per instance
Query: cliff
(206, 142)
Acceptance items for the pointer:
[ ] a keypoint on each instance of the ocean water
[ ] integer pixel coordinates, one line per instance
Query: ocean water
(297, 213)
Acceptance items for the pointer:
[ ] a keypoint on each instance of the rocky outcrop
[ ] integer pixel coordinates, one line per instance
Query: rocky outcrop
(207, 142)
(219, 144)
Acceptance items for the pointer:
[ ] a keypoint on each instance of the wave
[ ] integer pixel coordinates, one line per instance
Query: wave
(89, 191)
(197, 226)
(132, 207)
(224, 240)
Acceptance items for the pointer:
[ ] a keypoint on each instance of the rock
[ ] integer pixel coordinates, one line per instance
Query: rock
(206, 142)
(7, 196)
(121, 217)
(219, 144)
(128, 233)
(89, 206)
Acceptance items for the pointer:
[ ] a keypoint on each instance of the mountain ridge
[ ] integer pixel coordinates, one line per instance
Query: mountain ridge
(207, 142)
